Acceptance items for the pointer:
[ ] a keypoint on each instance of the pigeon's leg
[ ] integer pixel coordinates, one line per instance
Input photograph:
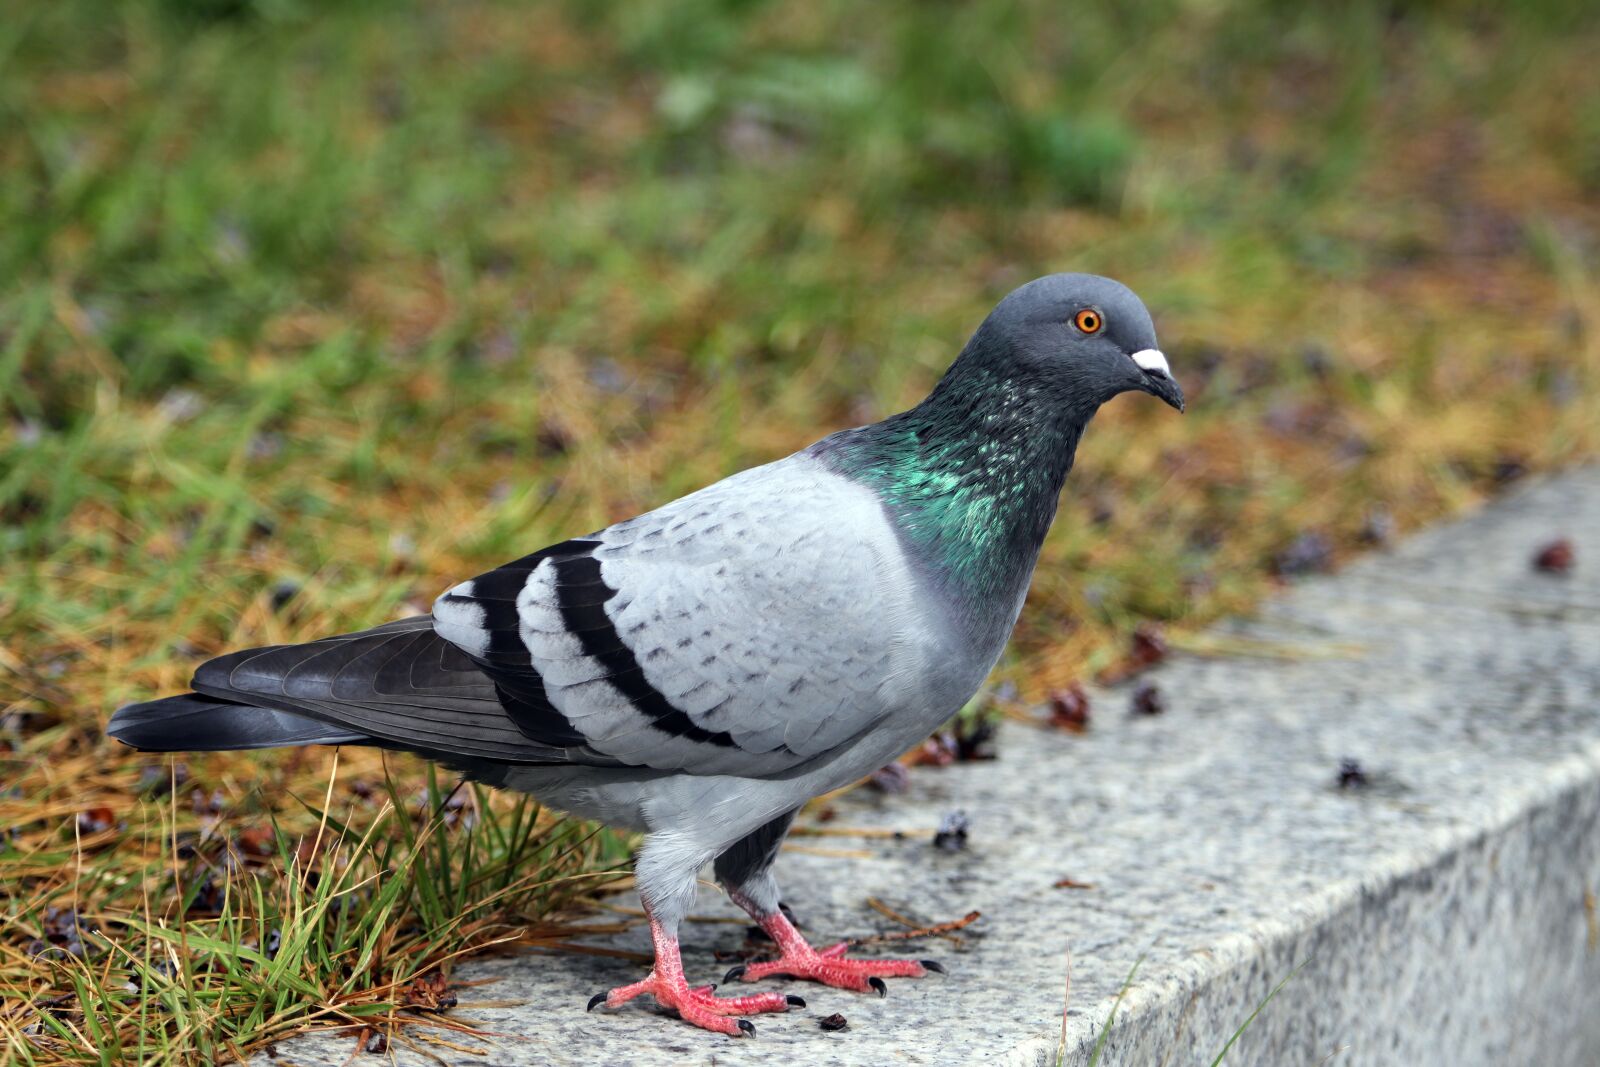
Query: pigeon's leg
(666, 885)
(746, 871)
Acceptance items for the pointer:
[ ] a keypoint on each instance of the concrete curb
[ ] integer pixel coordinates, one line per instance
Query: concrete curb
(1442, 913)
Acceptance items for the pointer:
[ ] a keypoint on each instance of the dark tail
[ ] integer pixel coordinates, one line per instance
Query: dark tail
(196, 723)
(398, 686)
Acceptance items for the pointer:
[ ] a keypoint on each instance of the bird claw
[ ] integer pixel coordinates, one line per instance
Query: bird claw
(699, 1006)
(830, 967)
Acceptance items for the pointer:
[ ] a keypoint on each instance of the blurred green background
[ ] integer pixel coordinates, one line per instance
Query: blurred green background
(308, 310)
(356, 298)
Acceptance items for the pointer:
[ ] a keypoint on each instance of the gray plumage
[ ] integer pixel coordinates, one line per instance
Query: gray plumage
(701, 671)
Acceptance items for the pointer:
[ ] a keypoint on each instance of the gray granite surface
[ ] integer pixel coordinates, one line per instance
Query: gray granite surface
(1443, 914)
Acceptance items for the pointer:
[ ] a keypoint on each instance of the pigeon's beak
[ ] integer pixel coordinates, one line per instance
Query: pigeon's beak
(1158, 379)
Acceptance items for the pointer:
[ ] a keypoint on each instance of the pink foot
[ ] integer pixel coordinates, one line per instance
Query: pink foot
(697, 1005)
(799, 960)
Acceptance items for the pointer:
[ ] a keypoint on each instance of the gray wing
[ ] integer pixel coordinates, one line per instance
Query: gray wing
(399, 683)
(744, 629)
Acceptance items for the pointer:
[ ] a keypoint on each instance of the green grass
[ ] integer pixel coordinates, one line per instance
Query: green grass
(209, 941)
(1222, 1055)
(352, 300)
(1111, 1016)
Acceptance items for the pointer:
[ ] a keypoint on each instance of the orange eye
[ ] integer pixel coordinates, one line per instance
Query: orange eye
(1088, 320)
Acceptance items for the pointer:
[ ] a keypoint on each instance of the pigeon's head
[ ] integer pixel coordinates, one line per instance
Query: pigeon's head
(1090, 334)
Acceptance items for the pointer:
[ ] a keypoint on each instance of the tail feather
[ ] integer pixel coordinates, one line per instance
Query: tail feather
(196, 723)
(399, 686)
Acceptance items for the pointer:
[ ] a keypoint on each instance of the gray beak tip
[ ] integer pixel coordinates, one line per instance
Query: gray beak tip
(1158, 380)
(1164, 387)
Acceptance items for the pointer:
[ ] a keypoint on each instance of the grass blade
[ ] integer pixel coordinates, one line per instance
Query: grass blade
(1252, 1017)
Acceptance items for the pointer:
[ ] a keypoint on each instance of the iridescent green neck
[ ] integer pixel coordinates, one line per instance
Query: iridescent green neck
(971, 475)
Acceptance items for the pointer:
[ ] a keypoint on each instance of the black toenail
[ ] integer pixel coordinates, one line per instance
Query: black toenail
(935, 966)
(734, 972)
(598, 998)
(794, 1001)
(748, 1027)
(877, 983)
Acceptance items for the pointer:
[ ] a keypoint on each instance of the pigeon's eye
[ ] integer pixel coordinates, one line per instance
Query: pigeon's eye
(1088, 320)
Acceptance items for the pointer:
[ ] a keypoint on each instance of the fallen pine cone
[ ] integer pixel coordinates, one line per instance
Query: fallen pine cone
(1147, 700)
(430, 992)
(1557, 557)
(1351, 774)
(1146, 648)
(1069, 709)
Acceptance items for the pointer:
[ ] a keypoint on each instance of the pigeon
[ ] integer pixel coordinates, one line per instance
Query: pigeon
(700, 672)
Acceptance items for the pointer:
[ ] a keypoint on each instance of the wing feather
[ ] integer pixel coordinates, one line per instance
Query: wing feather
(399, 683)
(745, 629)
